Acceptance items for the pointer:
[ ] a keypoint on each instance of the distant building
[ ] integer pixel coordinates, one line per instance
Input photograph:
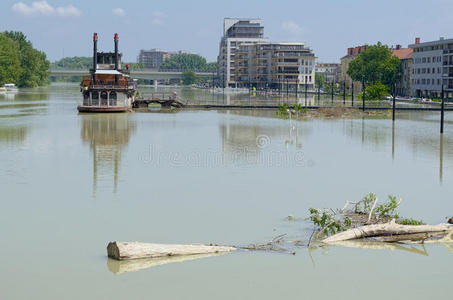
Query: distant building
(273, 65)
(345, 61)
(152, 58)
(331, 71)
(235, 32)
(155, 57)
(403, 86)
(432, 67)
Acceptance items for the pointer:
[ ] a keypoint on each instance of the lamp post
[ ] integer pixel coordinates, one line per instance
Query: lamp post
(344, 92)
(394, 101)
(363, 93)
(352, 93)
(442, 108)
(332, 84)
(306, 86)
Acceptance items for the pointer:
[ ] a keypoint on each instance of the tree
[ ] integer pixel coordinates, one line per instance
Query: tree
(320, 80)
(76, 62)
(376, 91)
(376, 64)
(34, 66)
(188, 62)
(10, 70)
(189, 77)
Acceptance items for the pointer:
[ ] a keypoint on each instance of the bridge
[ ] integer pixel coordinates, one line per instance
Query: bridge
(149, 74)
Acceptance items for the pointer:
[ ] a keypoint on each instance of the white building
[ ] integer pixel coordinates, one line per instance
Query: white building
(236, 32)
(274, 65)
(432, 67)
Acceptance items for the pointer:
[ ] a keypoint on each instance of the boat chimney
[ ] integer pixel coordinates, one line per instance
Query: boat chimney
(95, 56)
(116, 57)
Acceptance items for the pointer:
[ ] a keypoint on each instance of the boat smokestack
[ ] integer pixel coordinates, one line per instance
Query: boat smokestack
(116, 57)
(95, 55)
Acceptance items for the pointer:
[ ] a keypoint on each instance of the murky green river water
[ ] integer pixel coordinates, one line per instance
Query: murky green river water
(71, 183)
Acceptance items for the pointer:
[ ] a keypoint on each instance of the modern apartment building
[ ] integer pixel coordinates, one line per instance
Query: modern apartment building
(345, 61)
(331, 71)
(152, 58)
(432, 67)
(155, 57)
(273, 65)
(403, 86)
(235, 32)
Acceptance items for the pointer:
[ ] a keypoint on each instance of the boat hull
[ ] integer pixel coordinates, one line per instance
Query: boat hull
(102, 109)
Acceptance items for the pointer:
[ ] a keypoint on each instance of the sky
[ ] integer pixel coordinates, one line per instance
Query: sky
(65, 27)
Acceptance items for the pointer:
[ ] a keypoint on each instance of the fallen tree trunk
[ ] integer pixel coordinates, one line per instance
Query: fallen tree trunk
(387, 229)
(136, 250)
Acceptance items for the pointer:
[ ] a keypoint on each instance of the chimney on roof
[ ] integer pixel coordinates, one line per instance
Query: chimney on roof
(115, 38)
(417, 40)
(95, 55)
(399, 47)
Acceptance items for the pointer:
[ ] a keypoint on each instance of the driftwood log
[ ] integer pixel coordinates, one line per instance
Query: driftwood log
(392, 232)
(136, 250)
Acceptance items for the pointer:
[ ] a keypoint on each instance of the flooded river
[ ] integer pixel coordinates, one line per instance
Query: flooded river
(71, 183)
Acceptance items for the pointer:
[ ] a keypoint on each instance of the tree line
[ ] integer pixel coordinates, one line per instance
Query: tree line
(188, 62)
(20, 63)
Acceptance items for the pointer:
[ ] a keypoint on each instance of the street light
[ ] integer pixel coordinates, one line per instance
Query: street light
(363, 93)
(442, 109)
(344, 92)
(352, 93)
(394, 102)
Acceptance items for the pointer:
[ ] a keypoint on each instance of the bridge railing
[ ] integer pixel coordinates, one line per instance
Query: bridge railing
(145, 70)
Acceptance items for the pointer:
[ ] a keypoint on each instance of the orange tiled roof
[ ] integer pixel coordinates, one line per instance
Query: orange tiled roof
(403, 53)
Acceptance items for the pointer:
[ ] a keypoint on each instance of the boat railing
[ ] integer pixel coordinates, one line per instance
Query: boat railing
(111, 87)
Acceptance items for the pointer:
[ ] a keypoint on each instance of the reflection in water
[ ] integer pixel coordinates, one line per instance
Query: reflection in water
(13, 135)
(393, 140)
(118, 267)
(441, 158)
(255, 141)
(107, 135)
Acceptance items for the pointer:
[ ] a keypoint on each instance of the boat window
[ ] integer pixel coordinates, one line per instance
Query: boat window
(104, 97)
(112, 98)
(94, 95)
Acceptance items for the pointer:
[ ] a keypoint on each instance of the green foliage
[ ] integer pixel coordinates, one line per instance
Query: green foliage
(320, 80)
(10, 70)
(366, 204)
(34, 66)
(327, 222)
(298, 108)
(188, 62)
(376, 91)
(376, 64)
(388, 209)
(76, 62)
(132, 65)
(189, 77)
(410, 222)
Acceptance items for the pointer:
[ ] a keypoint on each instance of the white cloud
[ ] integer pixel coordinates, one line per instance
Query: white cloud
(42, 8)
(118, 11)
(69, 10)
(158, 18)
(292, 28)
